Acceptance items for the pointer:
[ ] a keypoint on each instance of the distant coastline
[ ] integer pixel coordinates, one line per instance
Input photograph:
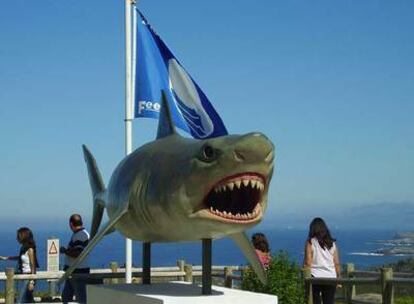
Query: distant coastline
(401, 244)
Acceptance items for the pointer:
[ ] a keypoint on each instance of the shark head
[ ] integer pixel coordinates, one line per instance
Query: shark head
(230, 180)
(204, 188)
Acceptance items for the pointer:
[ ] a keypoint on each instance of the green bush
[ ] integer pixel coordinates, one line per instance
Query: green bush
(404, 300)
(405, 265)
(283, 280)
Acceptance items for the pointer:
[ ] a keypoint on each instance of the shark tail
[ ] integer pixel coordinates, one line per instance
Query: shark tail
(98, 190)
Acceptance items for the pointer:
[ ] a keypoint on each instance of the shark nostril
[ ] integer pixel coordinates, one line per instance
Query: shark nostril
(239, 156)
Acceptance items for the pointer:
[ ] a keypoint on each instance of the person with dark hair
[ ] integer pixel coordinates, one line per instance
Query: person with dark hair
(78, 242)
(261, 245)
(27, 263)
(322, 257)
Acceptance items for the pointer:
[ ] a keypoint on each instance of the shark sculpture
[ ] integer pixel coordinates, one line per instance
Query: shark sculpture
(177, 189)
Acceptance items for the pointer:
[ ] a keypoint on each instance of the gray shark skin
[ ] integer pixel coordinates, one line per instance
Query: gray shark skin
(177, 189)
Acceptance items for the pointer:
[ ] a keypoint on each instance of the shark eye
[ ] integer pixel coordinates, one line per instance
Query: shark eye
(207, 153)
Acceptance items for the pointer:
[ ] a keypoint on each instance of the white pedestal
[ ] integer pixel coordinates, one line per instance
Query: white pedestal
(172, 293)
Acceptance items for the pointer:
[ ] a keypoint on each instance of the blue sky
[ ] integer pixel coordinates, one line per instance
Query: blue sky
(330, 82)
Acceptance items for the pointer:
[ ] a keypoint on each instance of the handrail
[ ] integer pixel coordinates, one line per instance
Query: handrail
(342, 281)
(107, 273)
(402, 281)
(377, 273)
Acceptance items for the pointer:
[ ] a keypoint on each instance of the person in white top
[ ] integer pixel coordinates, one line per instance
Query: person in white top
(322, 257)
(78, 242)
(27, 263)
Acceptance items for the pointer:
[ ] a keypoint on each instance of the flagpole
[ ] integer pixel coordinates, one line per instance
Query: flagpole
(128, 121)
(134, 52)
(146, 246)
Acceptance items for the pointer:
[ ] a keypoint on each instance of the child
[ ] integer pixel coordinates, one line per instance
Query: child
(261, 245)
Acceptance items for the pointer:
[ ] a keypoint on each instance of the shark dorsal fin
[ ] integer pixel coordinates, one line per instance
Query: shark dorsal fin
(165, 123)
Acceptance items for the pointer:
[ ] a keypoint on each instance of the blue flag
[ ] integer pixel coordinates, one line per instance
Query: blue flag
(157, 69)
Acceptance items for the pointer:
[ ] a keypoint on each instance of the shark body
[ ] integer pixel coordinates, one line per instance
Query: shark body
(179, 189)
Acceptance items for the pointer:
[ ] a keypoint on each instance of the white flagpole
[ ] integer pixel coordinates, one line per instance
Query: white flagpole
(128, 121)
(134, 52)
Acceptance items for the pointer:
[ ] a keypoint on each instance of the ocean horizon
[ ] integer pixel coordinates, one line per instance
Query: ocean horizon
(355, 246)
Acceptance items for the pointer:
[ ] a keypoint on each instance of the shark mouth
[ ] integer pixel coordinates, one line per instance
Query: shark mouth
(236, 199)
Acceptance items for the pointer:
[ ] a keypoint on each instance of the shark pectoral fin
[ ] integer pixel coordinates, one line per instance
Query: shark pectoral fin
(110, 231)
(92, 243)
(247, 248)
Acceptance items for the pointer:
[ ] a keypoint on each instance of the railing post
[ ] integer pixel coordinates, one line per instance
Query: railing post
(114, 269)
(188, 269)
(387, 286)
(52, 288)
(350, 290)
(9, 296)
(181, 265)
(228, 279)
(308, 285)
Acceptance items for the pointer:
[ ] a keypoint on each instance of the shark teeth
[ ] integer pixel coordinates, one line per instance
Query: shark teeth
(238, 217)
(238, 183)
(237, 198)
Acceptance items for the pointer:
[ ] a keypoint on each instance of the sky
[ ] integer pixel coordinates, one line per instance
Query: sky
(329, 82)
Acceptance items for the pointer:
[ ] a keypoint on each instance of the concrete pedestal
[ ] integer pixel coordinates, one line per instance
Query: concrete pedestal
(172, 293)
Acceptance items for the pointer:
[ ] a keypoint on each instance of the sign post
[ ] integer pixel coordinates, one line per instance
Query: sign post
(52, 261)
(53, 254)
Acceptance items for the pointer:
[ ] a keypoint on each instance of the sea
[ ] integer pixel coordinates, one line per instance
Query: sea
(358, 247)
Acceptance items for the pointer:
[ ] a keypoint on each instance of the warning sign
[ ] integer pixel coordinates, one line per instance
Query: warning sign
(52, 248)
(53, 255)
